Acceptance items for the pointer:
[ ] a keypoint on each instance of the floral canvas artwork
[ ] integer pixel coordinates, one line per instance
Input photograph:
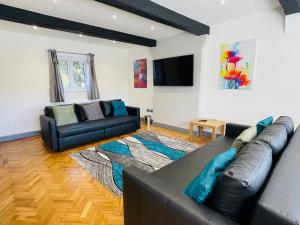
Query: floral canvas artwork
(140, 73)
(237, 63)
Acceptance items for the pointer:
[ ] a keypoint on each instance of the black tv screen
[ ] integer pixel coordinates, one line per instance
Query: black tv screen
(176, 71)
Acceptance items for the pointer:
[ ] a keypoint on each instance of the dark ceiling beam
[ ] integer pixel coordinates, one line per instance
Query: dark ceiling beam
(158, 13)
(290, 6)
(32, 18)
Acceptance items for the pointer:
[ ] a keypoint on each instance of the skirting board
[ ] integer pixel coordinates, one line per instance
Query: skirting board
(179, 129)
(19, 136)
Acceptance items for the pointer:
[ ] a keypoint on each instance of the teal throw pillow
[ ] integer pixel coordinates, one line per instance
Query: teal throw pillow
(200, 188)
(64, 114)
(119, 108)
(261, 125)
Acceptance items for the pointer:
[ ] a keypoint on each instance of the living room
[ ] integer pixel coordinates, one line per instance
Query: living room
(193, 77)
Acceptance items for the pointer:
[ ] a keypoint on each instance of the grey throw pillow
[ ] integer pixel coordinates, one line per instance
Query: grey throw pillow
(93, 111)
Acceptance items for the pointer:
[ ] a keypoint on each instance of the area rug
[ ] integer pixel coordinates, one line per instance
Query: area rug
(148, 151)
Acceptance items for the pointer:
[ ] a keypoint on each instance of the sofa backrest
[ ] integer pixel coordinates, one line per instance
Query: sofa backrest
(239, 187)
(288, 123)
(277, 135)
(279, 204)
(105, 106)
(239, 184)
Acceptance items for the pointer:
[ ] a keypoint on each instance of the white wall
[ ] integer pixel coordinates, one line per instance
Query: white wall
(176, 106)
(24, 86)
(276, 87)
(24, 72)
(140, 97)
(292, 23)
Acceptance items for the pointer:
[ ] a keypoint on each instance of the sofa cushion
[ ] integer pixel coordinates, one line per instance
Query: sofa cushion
(80, 111)
(119, 108)
(242, 180)
(107, 107)
(261, 125)
(64, 114)
(288, 124)
(244, 138)
(274, 135)
(121, 129)
(49, 111)
(202, 185)
(88, 126)
(80, 139)
(93, 111)
(180, 173)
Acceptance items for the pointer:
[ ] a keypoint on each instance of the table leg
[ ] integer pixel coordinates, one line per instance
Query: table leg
(191, 132)
(214, 134)
(223, 130)
(200, 131)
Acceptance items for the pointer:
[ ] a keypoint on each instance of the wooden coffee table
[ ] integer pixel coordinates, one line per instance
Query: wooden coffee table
(214, 125)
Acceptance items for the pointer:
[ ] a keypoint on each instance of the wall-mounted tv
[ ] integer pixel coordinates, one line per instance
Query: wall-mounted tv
(175, 71)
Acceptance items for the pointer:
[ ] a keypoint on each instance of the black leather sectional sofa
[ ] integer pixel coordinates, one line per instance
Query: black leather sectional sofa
(158, 199)
(63, 137)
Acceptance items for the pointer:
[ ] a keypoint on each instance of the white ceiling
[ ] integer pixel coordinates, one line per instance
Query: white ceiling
(210, 12)
(95, 13)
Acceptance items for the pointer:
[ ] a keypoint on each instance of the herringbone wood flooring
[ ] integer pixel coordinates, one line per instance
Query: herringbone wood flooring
(41, 187)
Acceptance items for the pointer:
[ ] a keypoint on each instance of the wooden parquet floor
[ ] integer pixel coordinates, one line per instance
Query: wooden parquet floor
(42, 187)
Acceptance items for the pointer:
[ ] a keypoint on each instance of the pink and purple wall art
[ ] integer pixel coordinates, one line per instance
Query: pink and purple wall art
(237, 63)
(140, 73)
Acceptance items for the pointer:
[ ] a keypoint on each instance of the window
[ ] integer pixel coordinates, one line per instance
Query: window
(74, 71)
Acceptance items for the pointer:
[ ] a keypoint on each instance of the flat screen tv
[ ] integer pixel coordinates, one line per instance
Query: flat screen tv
(176, 71)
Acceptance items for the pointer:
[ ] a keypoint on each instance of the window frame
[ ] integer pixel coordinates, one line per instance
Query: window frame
(70, 59)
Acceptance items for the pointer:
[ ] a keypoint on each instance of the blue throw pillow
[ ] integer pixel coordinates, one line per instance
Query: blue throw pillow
(119, 108)
(261, 125)
(200, 188)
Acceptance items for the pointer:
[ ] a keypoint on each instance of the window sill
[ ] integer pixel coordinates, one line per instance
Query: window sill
(75, 90)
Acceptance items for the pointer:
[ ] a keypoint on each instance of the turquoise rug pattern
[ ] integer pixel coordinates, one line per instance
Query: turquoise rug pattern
(148, 151)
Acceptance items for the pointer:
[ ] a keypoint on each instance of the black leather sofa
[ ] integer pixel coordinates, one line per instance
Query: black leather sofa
(158, 199)
(63, 137)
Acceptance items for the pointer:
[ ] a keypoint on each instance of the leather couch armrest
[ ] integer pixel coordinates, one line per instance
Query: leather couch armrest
(148, 201)
(49, 132)
(234, 130)
(133, 111)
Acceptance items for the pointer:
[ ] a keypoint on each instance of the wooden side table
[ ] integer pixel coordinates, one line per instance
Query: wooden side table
(214, 125)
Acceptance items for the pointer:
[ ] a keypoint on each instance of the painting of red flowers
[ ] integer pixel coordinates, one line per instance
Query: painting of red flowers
(140, 73)
(237, 63)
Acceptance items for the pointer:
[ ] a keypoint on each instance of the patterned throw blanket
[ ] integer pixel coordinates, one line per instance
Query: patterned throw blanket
(148, 151)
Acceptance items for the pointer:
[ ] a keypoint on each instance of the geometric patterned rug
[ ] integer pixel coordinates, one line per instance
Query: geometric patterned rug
(148, 151)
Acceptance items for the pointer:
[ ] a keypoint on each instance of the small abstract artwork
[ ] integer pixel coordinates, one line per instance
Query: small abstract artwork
(237, 63)
(140, 73)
